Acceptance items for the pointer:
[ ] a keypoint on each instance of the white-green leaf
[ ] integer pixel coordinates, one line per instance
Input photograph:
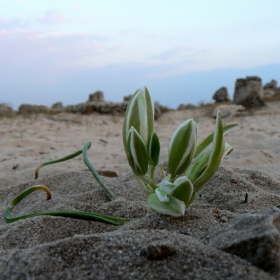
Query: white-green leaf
(182, 147)
(154, 148)
(162, 195)
(140, 115)
(215, 155)
(138, 155)
(174, 207)
(207, 142)
(181, 189)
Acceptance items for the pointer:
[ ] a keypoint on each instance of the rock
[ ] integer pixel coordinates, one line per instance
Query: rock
(108, 173)
(253, 237)
(271, 85)
(227, 110)
(7, 111)
(98, 107)
(157, 111)
(248, 92)
(26, 109)
(96, 96)
(221, 95)
(57, 106)
(157, 251)
(186, 106)
(127, 98)
(270, 88)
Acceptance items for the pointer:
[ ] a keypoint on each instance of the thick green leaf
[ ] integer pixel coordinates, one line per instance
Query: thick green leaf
(154, 149)
(215, 155)
(183, 189)
(196, 169)
(162, 195)
(140, 115)
(207, 142)
(174, 207)
(138, 155)
(182, 147)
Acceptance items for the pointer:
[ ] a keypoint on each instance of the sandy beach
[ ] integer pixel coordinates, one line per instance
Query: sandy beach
(26, 141)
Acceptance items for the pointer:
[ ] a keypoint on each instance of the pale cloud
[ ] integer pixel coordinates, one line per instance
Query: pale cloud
(13, 23)
(55, 50)
(74, 6)
(52, 17)
(177, 54)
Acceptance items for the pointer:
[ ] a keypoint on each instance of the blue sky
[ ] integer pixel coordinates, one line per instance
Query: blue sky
(182, 50)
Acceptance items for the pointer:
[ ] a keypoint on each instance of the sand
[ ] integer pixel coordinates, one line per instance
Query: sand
(27, 245)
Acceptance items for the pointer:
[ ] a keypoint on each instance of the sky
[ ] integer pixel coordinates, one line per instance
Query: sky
(182, 50)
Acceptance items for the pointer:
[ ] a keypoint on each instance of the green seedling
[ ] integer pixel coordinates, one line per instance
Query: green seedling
(190, 165)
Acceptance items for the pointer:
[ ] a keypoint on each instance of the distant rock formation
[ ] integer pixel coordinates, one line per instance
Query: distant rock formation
(127, 98)
(221, 95)
(26, 109)
(96, 96)
(248, 92)
(96, 104)
(270, 88)
(186, 106)
(57, 106)
(6, 111)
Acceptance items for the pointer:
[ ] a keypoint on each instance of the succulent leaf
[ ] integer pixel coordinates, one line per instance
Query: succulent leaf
(215, 155)
(140, 115)
(154, 148)
(162, 195)
(182, 147)
(207, 142)
(183, 189)
(138, 155)
(174, 207)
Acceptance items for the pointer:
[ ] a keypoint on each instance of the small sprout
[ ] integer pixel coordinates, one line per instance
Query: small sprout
(190, 165)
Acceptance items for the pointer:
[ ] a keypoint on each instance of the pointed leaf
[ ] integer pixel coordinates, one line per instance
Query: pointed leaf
(183, 189)
(140, 115)
(154, 148)
(215, 156)
(182, 147)
(207, 142)
(138, 155)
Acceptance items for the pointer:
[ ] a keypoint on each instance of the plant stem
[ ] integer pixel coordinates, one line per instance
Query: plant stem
(94, 172)
(72, 214)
